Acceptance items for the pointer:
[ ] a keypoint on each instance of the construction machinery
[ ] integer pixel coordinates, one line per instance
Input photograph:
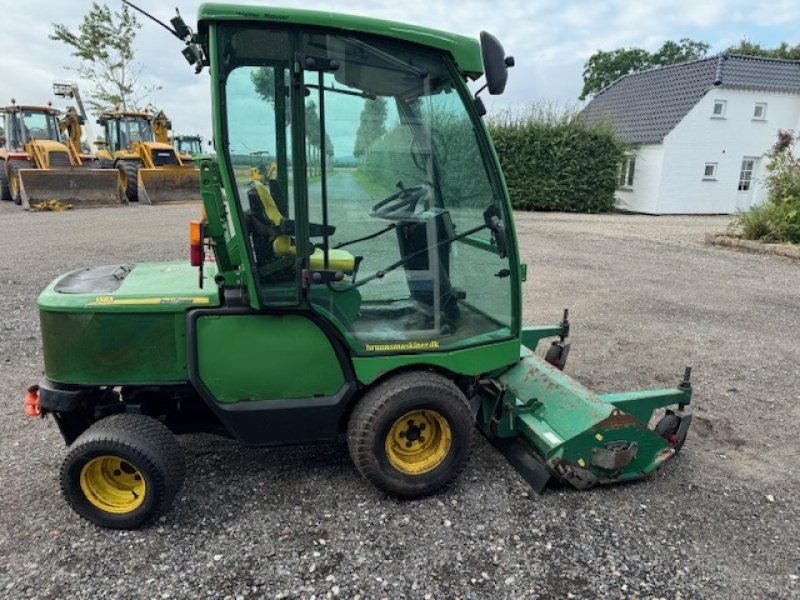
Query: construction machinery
(311, 308)
(188, 147)
(150, 170)
(41, 162)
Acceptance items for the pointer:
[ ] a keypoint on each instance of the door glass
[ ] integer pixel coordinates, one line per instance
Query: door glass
(260, 156)
(399, 199)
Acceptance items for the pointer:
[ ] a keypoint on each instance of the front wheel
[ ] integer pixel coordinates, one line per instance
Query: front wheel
(123, 471)
(5, 192)
(412, 434)
(15, 180)
(129, 178)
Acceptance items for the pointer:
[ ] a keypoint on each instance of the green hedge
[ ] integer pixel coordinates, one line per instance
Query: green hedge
(554, 161)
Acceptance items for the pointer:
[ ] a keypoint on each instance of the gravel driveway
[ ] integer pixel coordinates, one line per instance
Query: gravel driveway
(646, 298)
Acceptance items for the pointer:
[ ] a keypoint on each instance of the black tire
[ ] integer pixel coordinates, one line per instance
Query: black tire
(667, 428)
(15, 186)
(145, 448)
(373, 425)
(129, 180)
(5, 192)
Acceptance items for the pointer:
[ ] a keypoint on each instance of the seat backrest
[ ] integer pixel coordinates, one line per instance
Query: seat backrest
(270, 208)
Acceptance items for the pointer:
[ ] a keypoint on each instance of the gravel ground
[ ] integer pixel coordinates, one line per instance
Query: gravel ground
(646, 297)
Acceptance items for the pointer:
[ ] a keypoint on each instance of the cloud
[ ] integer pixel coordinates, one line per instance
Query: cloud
(550, 40)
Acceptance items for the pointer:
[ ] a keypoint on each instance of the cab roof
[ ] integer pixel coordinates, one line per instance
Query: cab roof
(466, 51)
(16, 107)
(120, 114)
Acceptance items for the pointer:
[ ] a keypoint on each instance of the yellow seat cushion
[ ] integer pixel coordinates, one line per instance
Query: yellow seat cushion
(338, 260)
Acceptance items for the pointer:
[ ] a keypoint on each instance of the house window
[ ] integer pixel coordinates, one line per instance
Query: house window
(626, 171)
(760, 111)
(710, 171)
(719, 109)
(746, 174)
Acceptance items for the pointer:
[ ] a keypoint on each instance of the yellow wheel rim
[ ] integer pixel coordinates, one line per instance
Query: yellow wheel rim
(418, 442)
(13, 185)
(112, 484)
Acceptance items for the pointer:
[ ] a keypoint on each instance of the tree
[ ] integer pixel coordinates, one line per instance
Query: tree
(372, 125)
(103, 43)
(313, 137)
(264, 81)
(605, 67)
(784, 50)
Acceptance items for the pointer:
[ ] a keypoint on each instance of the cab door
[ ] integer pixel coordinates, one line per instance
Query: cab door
(273, 371)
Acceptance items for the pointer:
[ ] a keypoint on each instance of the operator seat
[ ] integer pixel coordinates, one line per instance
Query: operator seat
(338, 260)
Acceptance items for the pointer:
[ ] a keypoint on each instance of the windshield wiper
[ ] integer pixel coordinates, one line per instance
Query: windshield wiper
(366, 95)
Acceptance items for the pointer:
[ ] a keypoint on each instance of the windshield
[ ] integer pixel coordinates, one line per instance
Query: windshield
(123, 131)
(401, 196)
(189, 146)
(27, 125)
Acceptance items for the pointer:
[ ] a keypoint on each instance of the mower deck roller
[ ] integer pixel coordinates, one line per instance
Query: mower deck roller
(79, 187)
(572, 433)
(169, 185)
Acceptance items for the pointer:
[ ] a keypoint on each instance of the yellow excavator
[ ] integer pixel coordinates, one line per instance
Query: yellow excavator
(40, 166)
(150, 170)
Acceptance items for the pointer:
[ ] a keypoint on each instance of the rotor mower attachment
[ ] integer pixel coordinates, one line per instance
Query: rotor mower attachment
(550, 426)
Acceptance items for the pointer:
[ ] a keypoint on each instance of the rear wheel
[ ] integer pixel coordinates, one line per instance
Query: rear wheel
(123, 471)
(412, 434)
(5, 192)
(129, 178)
(14, 182)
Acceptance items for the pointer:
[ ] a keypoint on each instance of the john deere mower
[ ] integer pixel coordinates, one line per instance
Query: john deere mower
(381, 303)
(150, 170)
(38, 165)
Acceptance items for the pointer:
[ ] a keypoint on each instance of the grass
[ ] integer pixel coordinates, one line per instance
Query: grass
(370, 186)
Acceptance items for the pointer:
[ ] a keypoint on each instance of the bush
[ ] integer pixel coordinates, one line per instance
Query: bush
(777, 219)
(553, 160)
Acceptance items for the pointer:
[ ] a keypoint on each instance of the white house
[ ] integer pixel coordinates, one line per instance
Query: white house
(700, 131)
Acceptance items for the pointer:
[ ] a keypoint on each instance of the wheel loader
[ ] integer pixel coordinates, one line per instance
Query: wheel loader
(380, 305)
(150, 170)
(39, 165)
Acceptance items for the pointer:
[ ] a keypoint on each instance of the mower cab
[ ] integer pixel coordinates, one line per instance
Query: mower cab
(368, 283)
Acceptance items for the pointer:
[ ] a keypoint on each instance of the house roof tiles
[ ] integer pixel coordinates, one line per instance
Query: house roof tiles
(647, 105)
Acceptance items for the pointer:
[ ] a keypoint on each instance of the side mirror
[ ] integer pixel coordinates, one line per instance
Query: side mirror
(102, 122)
(495, 63)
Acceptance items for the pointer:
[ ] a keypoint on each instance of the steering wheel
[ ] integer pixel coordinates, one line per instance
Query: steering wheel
(401, 205)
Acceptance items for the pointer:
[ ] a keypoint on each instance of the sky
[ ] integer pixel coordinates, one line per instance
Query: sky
(550, 40)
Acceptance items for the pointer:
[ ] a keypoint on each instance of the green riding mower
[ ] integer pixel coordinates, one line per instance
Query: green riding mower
(379, 302)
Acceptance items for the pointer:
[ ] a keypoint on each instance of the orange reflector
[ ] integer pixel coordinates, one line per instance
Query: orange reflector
(32, 408)
(195, 233)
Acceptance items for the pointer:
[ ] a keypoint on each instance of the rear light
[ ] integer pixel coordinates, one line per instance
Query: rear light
(32, 408)
(195, 243)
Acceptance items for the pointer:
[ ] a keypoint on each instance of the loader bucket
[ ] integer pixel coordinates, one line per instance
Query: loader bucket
(76, 187)
(549, 425)
(169, 185)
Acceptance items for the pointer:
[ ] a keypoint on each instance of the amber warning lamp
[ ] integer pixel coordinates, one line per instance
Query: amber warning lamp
(196, 243)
